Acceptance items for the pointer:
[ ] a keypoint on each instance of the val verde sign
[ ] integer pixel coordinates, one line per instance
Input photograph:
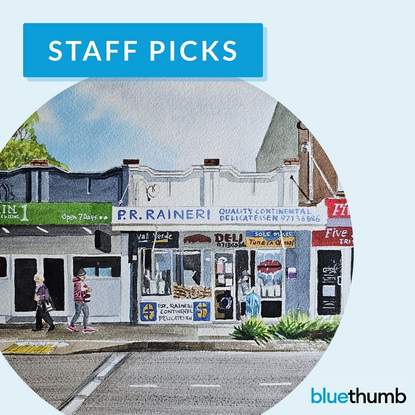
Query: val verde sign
(55, 213)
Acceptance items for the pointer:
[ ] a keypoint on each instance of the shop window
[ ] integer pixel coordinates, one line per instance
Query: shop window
(177, 273)
(188, 268)
(269, 273)
(3, 267)
(187, 276)
(98, 266)
(224, 269)
(158, 282)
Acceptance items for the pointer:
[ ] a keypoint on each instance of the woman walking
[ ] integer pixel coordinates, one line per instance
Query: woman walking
(42, 295)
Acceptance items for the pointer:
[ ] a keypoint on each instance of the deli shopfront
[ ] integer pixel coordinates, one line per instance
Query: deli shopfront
(195, 276)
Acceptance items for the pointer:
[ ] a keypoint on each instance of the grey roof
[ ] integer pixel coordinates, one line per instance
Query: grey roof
(280, 141)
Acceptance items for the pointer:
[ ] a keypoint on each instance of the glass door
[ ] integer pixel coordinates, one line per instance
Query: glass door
(224, 296)
(53, 269)
(329, 272)
(269, 280)
(24, 284)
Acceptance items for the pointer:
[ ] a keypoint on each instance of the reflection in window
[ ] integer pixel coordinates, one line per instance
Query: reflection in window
(159, 281)
(98, 266)
(269, 273)
(176, 272)
(90, 271)
(188, 268)
(188, 282)
(104, 272)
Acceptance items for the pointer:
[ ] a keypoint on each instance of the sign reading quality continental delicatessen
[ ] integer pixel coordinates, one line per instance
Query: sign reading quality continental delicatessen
(315, 215)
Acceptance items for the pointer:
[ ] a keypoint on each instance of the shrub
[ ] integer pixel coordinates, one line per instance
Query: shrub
(298, 325)
(254, 329)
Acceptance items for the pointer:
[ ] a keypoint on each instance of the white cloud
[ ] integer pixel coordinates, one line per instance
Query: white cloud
(48, 120)
(194, 119)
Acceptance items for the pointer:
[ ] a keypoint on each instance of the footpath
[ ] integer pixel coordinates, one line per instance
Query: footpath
(116, 337)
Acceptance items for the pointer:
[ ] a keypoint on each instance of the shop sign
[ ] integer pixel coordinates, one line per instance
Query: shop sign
(175, 311)
(201, 311)
(148, 312)
(159, 239)
(197, 238)
(333, 236)
(337, 208)
(270, 239)
(55, 213)
(229, 240)
(314, 215)
(212, 239)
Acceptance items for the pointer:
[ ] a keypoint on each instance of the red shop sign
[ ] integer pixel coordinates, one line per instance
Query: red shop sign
(333, 236)
(337, 208)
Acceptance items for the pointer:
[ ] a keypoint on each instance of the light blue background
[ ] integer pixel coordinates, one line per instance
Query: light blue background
(346, 69)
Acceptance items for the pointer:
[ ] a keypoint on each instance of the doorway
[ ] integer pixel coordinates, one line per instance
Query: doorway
(53, 269)
(329, 274)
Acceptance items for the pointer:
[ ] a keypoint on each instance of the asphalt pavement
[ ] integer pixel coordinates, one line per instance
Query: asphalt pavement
(117, 337)
(174, 383)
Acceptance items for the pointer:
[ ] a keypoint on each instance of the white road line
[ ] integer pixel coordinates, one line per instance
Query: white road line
(276, 384)
(73, 406)
(90, 387)
(144, 386)
(115, 359)
(79, 397)
(205, 386)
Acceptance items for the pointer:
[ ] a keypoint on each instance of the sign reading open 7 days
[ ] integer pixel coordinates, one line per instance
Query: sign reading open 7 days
(55, 213)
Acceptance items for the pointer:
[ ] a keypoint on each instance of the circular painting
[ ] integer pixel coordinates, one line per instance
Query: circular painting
(163, 242)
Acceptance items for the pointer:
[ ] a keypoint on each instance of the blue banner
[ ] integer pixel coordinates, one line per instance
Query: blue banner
(72, 50)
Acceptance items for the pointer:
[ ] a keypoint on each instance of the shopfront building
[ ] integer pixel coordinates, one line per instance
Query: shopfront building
(332, 256)
(195, 276)
(173, 247)
(53, 222)
(194, 234)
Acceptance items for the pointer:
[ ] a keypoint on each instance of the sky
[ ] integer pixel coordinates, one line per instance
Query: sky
(168, 125)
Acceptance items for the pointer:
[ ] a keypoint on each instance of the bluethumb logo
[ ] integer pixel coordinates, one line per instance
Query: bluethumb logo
(357, 396)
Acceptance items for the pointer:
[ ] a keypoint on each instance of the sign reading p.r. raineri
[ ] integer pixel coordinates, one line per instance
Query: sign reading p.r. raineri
(315, 215)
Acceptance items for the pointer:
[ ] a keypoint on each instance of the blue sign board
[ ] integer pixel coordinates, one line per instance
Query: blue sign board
(201, 311)
(209, 50)
(148, 312)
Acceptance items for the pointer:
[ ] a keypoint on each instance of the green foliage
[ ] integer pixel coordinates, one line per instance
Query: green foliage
(298, 325)
(23, 147)
(27, 130)
(253, 329)
(21, 152)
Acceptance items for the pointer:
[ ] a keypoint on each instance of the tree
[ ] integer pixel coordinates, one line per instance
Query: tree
(27, 130)
(23, 147)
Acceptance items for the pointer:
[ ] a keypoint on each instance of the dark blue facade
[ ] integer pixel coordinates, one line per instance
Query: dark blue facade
(52, 184)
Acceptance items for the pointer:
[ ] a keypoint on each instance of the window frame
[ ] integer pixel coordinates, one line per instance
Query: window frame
(113, 262)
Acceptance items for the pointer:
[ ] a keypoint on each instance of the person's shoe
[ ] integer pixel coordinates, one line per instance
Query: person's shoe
(72, 328)
(87, 330)
(37, 329)
(52, 327)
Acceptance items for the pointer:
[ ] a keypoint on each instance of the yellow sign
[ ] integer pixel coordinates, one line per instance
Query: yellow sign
(202, 310)
(28, 349)
(260, 242)
(148, 312)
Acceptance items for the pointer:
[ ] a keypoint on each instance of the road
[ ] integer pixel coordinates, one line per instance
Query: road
(169, 382)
